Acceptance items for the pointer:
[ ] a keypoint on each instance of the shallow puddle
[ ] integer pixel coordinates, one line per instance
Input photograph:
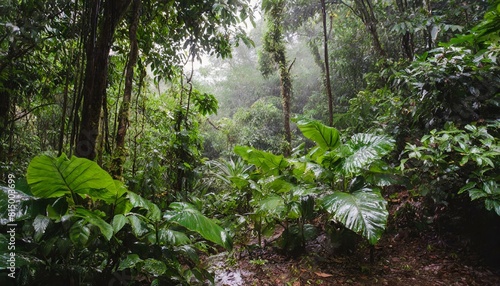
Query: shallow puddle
(226, 275)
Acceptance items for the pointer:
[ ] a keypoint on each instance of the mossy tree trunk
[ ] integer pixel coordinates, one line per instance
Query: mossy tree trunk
(120, 152)
(274, 46)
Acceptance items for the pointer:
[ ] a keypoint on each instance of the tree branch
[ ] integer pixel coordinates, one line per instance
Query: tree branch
(27, 112)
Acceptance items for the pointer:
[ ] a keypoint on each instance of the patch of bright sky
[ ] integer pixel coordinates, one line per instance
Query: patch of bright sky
(211, 76)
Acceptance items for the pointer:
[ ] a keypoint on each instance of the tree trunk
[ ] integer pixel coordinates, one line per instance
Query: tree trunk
(4, 121)
(364, 9)
(123, 120)
(407, 38)
(4, 111)
(327, 66)
(286, 94)
(274, 44)
(96, 73)
(6, 104)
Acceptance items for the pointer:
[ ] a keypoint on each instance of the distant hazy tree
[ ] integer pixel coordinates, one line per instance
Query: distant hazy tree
(275, 52)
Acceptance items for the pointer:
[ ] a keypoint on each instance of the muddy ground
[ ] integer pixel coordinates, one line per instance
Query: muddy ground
(406, 255)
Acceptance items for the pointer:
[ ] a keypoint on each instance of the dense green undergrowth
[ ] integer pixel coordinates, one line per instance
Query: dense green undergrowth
(75, 224)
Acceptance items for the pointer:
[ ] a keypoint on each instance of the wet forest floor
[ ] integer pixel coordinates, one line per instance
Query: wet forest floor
(447, 251)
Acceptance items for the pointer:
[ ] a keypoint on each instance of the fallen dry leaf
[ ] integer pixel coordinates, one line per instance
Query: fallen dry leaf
(324, 275)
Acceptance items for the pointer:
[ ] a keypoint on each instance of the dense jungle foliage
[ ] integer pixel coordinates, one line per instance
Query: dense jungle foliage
(139, 137)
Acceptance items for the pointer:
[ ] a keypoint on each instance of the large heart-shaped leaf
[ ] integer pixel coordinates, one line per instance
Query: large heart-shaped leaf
(187, 216)
(362, 150)
(363, 211)
(50, 177)
(326, 137)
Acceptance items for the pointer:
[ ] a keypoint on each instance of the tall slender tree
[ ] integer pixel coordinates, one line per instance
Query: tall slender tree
(275, 50)
(326, 70)
(120, 152)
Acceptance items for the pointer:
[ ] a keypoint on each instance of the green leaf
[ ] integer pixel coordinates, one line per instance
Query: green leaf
(464, 160)
(268, 162)
(119, 221)
(170, 237)
(154, 267)
(129, 262)
(57, 209)
(121, 189)
(277, 184)
(326, 137)
(138, 226)
(363, 211)
(79, 233)
(187, 216)
(154, 212)
(123, 206)
(40, 224)
(491, 188)
(467, 187)
(24, 207)
(272, 205)
(491, 204)
(138, 201)
(94, 219)
(50, 177)
(476, 194)
(306, 171)
(362, 150)
(188, 251)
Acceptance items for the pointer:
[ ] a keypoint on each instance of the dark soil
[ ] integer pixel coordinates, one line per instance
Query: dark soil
(420, 247)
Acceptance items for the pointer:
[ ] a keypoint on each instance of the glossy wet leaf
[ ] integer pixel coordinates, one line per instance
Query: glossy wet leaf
(170, 237)
(362, 150)
(40, 224)
(187, 216)
(363, 211)
(129, 262)
(138, 226)
(154, 267)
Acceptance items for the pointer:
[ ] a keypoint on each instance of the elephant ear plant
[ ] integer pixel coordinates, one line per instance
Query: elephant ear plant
(340, 177)
(78, 224)
(351, 172)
